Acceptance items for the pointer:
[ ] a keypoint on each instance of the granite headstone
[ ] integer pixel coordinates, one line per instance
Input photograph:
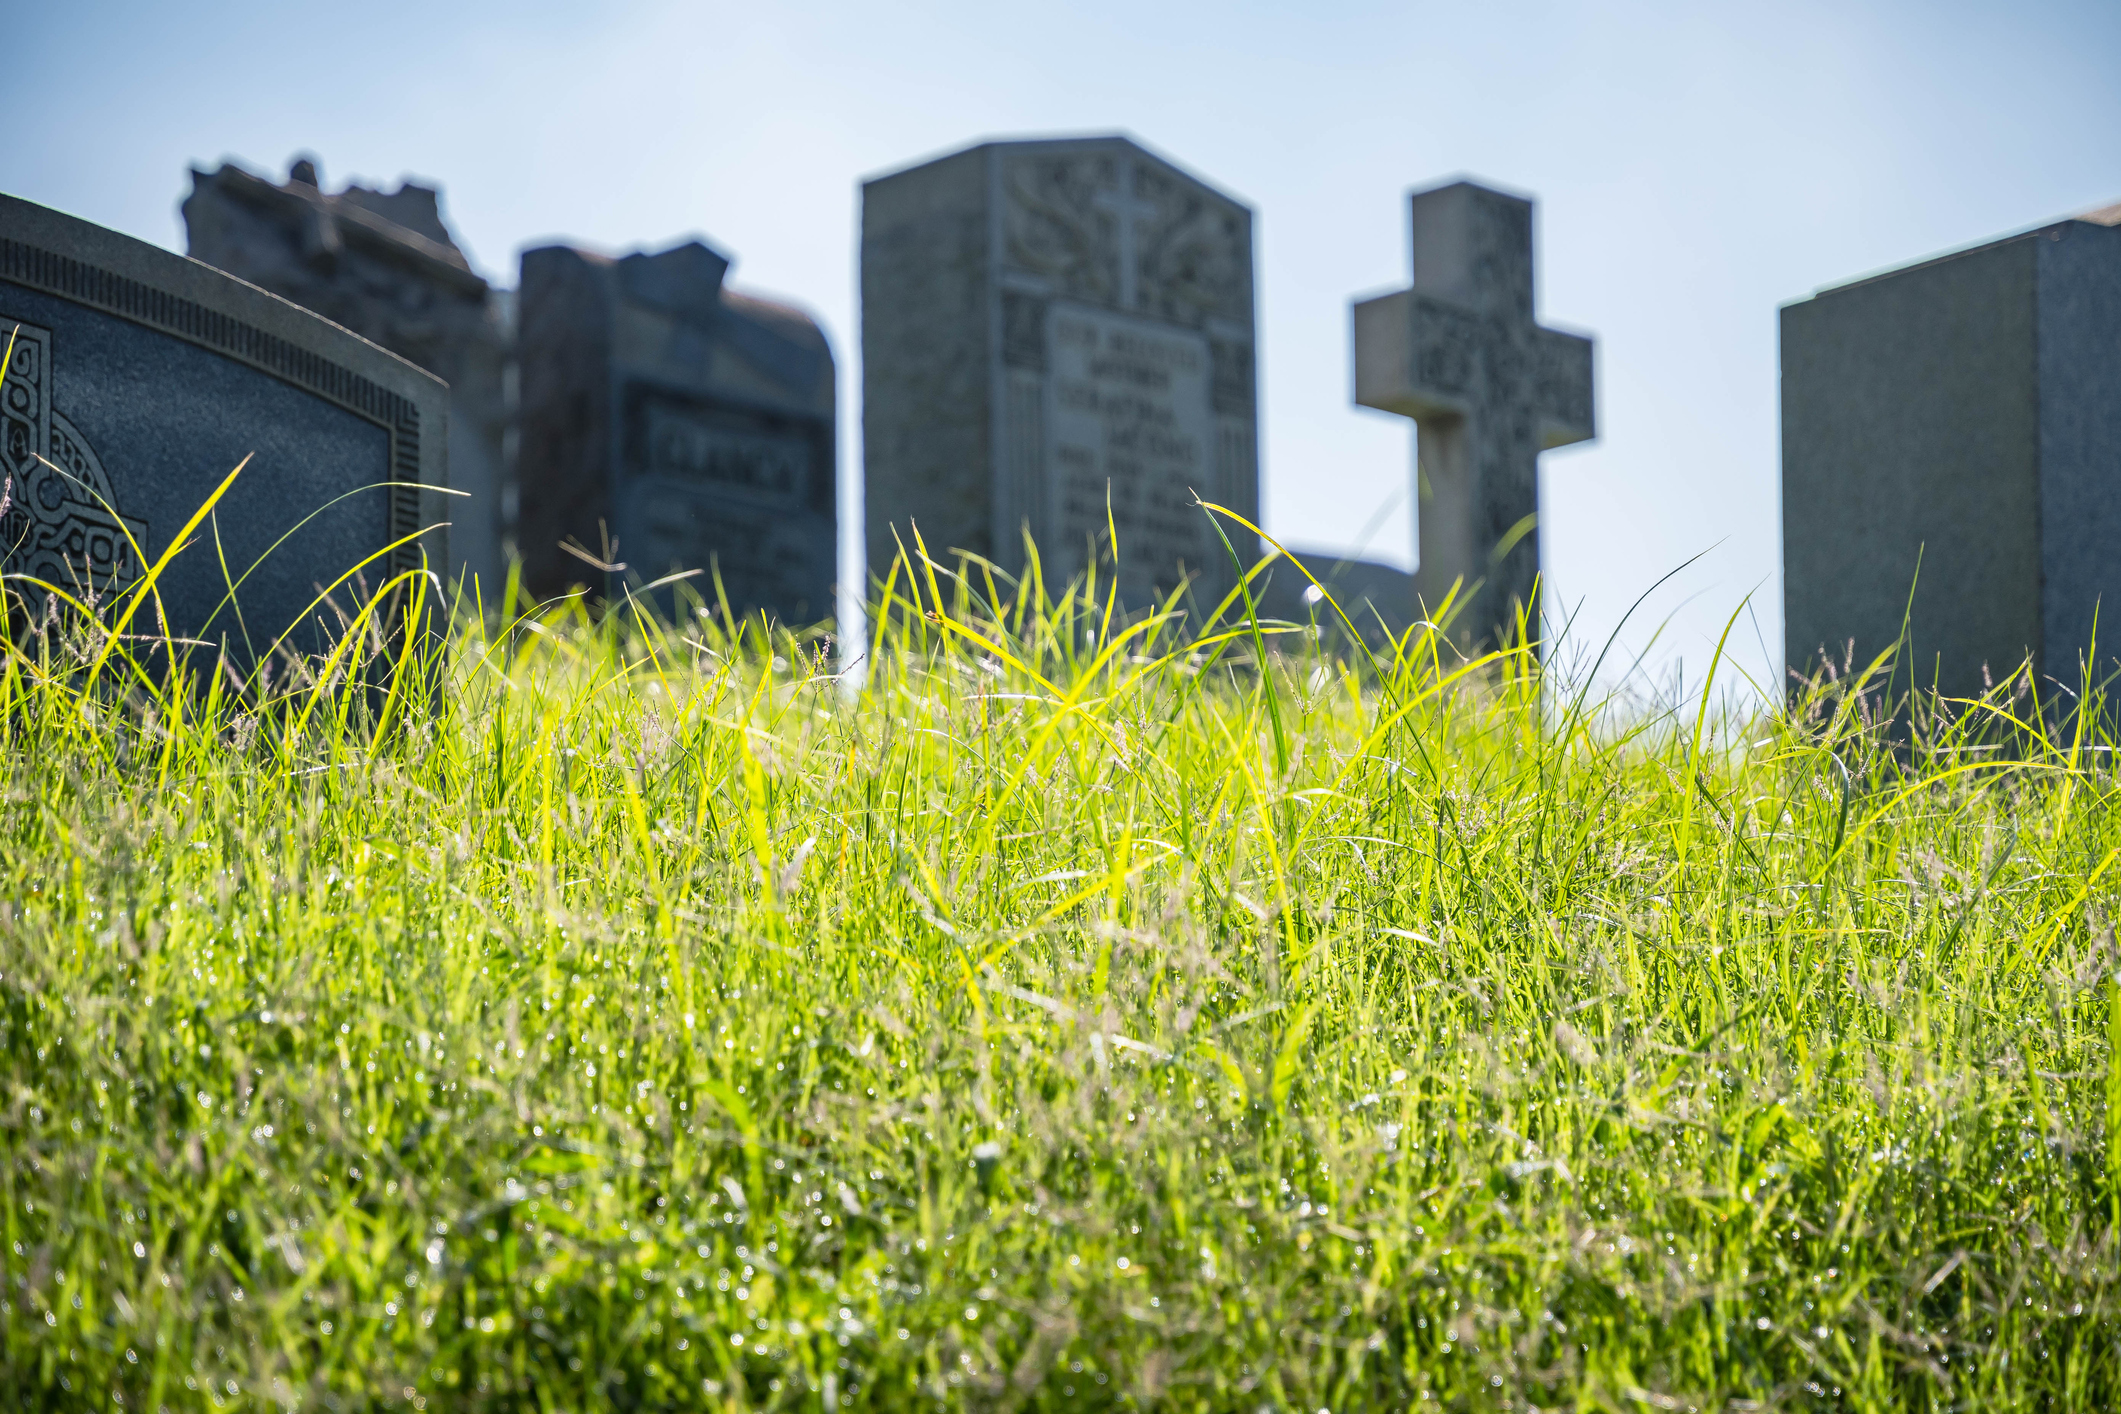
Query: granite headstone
(384, 265)
(669, 424)
(139, 379)
(1488, 389)
(1963, 416)
(1377, 598)
(1051, 328)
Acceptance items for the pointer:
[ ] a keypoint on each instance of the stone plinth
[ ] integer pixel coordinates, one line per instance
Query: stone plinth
(1378, 599)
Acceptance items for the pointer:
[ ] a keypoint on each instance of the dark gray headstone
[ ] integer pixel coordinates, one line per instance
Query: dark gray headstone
(1043, 323)
(384, 265)
(140, 379)
(1964, 412)
(678, 425)
(1488, 389)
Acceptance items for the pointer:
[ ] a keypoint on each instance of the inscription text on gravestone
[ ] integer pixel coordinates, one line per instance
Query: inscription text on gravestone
(1129, 411)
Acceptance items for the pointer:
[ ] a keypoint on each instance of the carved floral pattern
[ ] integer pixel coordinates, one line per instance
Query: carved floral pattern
(1074, 217)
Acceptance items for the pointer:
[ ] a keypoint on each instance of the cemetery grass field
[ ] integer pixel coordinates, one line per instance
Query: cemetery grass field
(1080, 1012)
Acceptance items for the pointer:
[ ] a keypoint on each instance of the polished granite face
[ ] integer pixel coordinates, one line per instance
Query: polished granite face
(137, 381)
(1058, 338)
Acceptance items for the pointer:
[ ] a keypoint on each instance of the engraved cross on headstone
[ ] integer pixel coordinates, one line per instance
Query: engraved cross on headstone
(1126, 210)
(1488, 389)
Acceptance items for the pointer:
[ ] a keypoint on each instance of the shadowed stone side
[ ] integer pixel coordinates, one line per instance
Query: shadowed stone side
(926, 420)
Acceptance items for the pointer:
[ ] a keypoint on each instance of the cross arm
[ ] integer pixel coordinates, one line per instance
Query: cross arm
(1563, 391)
(1416, 355)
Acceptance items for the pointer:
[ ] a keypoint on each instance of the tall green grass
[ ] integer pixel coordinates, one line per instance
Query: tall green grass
(1083, 1010)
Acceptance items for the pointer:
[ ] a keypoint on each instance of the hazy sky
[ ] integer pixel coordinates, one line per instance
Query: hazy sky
(1695, 166)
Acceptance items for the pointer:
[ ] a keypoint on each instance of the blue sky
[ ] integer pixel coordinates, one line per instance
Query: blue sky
(1695, 165)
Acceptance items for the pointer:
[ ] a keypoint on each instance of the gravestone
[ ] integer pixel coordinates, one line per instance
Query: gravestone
(139, 379)
(1488, 389)
(1963, 416)
(1047, 324)
(384, 265)
(670, 424)
(1377, 598)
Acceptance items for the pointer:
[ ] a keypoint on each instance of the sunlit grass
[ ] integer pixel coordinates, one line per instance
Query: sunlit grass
(1084, 1011)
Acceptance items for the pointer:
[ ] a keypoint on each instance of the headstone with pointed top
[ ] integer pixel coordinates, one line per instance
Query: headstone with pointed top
(1488, 389)
(669, 425)
(384, 265)
(1054, 332)
(1951, 462)
(135, 382)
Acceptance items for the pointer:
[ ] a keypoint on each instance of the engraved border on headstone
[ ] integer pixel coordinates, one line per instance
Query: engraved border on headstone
(52, 254)
(383, 265)
(100, 287)
(62, 523)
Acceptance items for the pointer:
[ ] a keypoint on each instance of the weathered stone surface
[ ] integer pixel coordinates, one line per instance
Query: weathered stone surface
(682, 424)
(384, 265)
(1042, 321)
(1488, 388)
(139, 379)
(1964, 415)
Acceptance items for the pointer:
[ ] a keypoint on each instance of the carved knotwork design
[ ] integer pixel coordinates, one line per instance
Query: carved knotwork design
(61, 524)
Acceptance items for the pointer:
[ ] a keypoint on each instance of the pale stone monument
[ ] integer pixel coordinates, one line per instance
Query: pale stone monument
(1050, 329)
(671, 424)
(384, 265)
(1962, 415)
(1488, 389)
(137, 381)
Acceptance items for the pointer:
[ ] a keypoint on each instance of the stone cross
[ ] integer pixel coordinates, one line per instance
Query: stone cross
(1127, 212)
(1488, 389)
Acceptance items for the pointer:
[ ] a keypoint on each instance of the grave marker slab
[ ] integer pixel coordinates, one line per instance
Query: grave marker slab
(691, 425)
(1377, 598)
(1042, 320)
(384, 265)
(1963, 414)
(1488, 389)
(139, 379)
